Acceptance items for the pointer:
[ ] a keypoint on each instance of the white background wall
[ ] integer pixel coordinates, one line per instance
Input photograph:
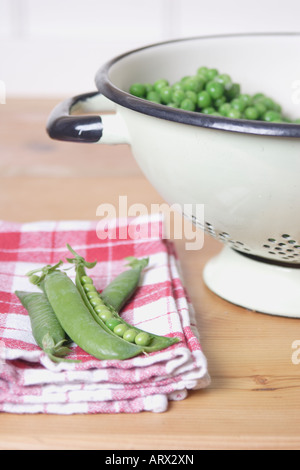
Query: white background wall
(54, 47)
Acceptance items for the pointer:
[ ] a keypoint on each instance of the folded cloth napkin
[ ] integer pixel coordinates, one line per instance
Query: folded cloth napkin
(31, 383)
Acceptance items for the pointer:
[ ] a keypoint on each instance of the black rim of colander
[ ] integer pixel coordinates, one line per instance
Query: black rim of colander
(125, 99)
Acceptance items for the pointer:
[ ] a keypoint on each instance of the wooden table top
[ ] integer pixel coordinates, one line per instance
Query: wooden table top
(253, 401)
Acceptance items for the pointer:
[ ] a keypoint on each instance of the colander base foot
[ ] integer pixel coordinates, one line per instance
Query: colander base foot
(254, 285)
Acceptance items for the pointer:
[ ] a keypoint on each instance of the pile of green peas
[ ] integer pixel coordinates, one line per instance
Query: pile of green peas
(112, 320)
(211, 92)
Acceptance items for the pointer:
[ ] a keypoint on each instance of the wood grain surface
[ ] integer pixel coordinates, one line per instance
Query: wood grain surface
(253, 401)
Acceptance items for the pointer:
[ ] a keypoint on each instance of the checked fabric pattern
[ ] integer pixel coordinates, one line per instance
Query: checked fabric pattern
(31, 383)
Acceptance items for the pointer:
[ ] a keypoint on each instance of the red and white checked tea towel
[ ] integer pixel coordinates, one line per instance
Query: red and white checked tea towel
(31, 383)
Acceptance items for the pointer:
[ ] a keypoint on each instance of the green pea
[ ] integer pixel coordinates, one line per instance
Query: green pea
(218, 102)
(166, 94)
(271, 116)
(268, 103)
(142, 339)
(191, 95)
(260, 107)
(130, 335)
(234, 113)
(204, 99)
(193, 84)
(188, 105)
(203, 71)
(246, 99)
(159, 84)
(177, 86)
(106, 315)
(148, 87)
(257, 97)
(89, 288)
(178, 96)
(211, 74)
(154, 97)
(184, 79)
(233, 91)
(202, 77)
(251, 113)
(277, 108)
(224, 108)
(92, 295)
(112, 322)
(138, 89)
(95, 301)
(238, 104)
(215, 89)
(209, 110)
(225, 79)
(100, 308)
(86, 280)
(120, 329)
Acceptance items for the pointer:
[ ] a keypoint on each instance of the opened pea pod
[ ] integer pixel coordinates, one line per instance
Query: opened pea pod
(64, 311)
(119, 291)
(106, 316)
(76, 320)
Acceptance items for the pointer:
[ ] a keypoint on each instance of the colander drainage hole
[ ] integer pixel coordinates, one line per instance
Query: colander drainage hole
(288, 249)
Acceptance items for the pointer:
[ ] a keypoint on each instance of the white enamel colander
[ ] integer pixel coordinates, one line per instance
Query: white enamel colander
(246, 173)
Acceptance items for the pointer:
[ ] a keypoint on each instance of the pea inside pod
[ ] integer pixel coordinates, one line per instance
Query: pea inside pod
(148, 341)
(122, 287)
(76, 319)
(104, 314)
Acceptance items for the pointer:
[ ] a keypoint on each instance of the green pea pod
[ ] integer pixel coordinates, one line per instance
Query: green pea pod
(122, 287)
(77, 321)
(104, 314)
(46, 329)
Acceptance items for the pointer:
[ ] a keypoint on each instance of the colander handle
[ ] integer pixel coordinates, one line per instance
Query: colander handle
(63, 125)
